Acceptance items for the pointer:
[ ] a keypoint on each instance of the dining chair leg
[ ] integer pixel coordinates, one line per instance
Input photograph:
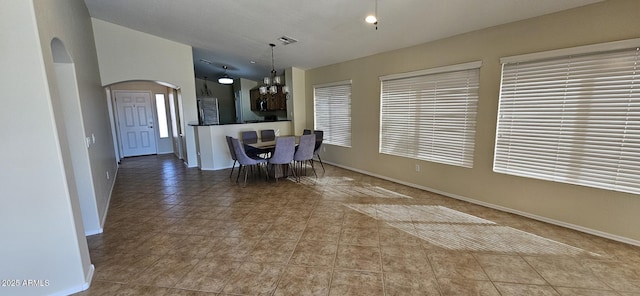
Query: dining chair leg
(321, 164)
(313, 168)
(232, 167)
(295, 176)
(239, 172)
(246, 172)
(297, 167)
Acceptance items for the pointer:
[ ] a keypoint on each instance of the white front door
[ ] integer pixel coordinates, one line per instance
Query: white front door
(136, 123)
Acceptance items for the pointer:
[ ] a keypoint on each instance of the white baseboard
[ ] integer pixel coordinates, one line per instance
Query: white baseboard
(500, 208)
(94, 232)
(103, 219)
(88, 278)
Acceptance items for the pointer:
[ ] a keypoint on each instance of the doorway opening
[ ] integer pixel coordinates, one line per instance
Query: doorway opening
(67, 113)
(146, 118)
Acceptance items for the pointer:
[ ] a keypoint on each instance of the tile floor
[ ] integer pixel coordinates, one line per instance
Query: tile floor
(177, 231)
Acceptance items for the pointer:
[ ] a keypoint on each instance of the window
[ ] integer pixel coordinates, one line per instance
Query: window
(332, 112)
(572, 116)
(174, 116)
(431, 114)
(161, 109)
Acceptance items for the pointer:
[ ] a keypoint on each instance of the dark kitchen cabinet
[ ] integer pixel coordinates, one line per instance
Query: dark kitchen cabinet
(268, 102)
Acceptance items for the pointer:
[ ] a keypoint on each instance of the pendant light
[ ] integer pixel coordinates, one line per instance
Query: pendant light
(225, 79)
(272, 81)
(373, 18)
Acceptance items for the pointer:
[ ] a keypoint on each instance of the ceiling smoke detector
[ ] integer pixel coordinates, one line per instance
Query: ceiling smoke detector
(287, 40)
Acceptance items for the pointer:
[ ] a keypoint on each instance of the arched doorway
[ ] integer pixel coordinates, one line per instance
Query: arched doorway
(73, 145)
(163, 123)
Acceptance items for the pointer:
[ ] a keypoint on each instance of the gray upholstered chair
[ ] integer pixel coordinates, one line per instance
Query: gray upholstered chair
(251, 137)
(245, 161)
(316, 151)
(267, 135)
(233, 156)
(282, 154)
(304, 154)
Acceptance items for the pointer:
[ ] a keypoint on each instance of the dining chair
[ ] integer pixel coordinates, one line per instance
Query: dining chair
(304, 154)
(282, 155)
(233, 156)
(316, 150)
(251, 137)
(306, 132)
(267, 135)
(245, 161)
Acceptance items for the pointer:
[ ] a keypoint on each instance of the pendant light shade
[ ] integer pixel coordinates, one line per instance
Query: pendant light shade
(225, 79)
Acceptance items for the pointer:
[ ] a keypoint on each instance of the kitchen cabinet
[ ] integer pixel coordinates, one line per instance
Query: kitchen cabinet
(268, 102)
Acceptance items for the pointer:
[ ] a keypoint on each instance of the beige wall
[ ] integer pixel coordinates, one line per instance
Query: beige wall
(605, 212)
(42, 230)
(126, 55)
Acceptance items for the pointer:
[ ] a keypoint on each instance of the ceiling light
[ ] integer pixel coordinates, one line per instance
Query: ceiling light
(373, 18)
(225, 79)
(272, 81)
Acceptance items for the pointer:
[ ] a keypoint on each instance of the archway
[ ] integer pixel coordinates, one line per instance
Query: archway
(69, 125)
(167, 108)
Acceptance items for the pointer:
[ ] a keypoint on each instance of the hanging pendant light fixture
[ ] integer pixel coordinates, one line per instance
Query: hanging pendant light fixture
(272, 81)
(373, 18)
(225, 79)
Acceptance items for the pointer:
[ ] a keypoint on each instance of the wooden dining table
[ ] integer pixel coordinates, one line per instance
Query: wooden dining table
(269, 147)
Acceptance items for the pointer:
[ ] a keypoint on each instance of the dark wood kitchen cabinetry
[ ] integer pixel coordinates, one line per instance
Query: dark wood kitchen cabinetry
(268, 102)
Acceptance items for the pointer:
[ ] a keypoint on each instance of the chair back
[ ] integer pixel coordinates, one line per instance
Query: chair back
(319, 138)
(243, 159)
(250, 137)
(305, 148)
(267, 135)
(306, 132)
(231, 150)
(283, 153)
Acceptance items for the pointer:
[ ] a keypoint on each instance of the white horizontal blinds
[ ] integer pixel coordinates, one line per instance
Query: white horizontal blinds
(573, 119)
(430, 117)
(333, 112)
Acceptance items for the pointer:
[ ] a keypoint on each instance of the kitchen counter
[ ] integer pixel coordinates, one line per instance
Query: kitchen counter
(211, 145)
(246, 122)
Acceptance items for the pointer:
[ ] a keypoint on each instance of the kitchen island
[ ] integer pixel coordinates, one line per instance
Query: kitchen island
(211, 145)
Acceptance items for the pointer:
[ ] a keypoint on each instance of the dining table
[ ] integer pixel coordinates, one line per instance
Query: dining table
(269, 147)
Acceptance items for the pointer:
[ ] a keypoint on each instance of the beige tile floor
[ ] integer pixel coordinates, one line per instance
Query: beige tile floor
(177, 231)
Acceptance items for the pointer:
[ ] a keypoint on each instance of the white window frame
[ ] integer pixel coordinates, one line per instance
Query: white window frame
(582, 128)
(332, 112)
(413, 105)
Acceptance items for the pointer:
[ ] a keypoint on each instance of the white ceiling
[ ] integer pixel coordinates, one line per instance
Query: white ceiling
(236, 32)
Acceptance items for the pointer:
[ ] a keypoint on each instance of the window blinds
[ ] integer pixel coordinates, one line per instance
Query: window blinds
(332, 113)
(572, 119)
(431, 115)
